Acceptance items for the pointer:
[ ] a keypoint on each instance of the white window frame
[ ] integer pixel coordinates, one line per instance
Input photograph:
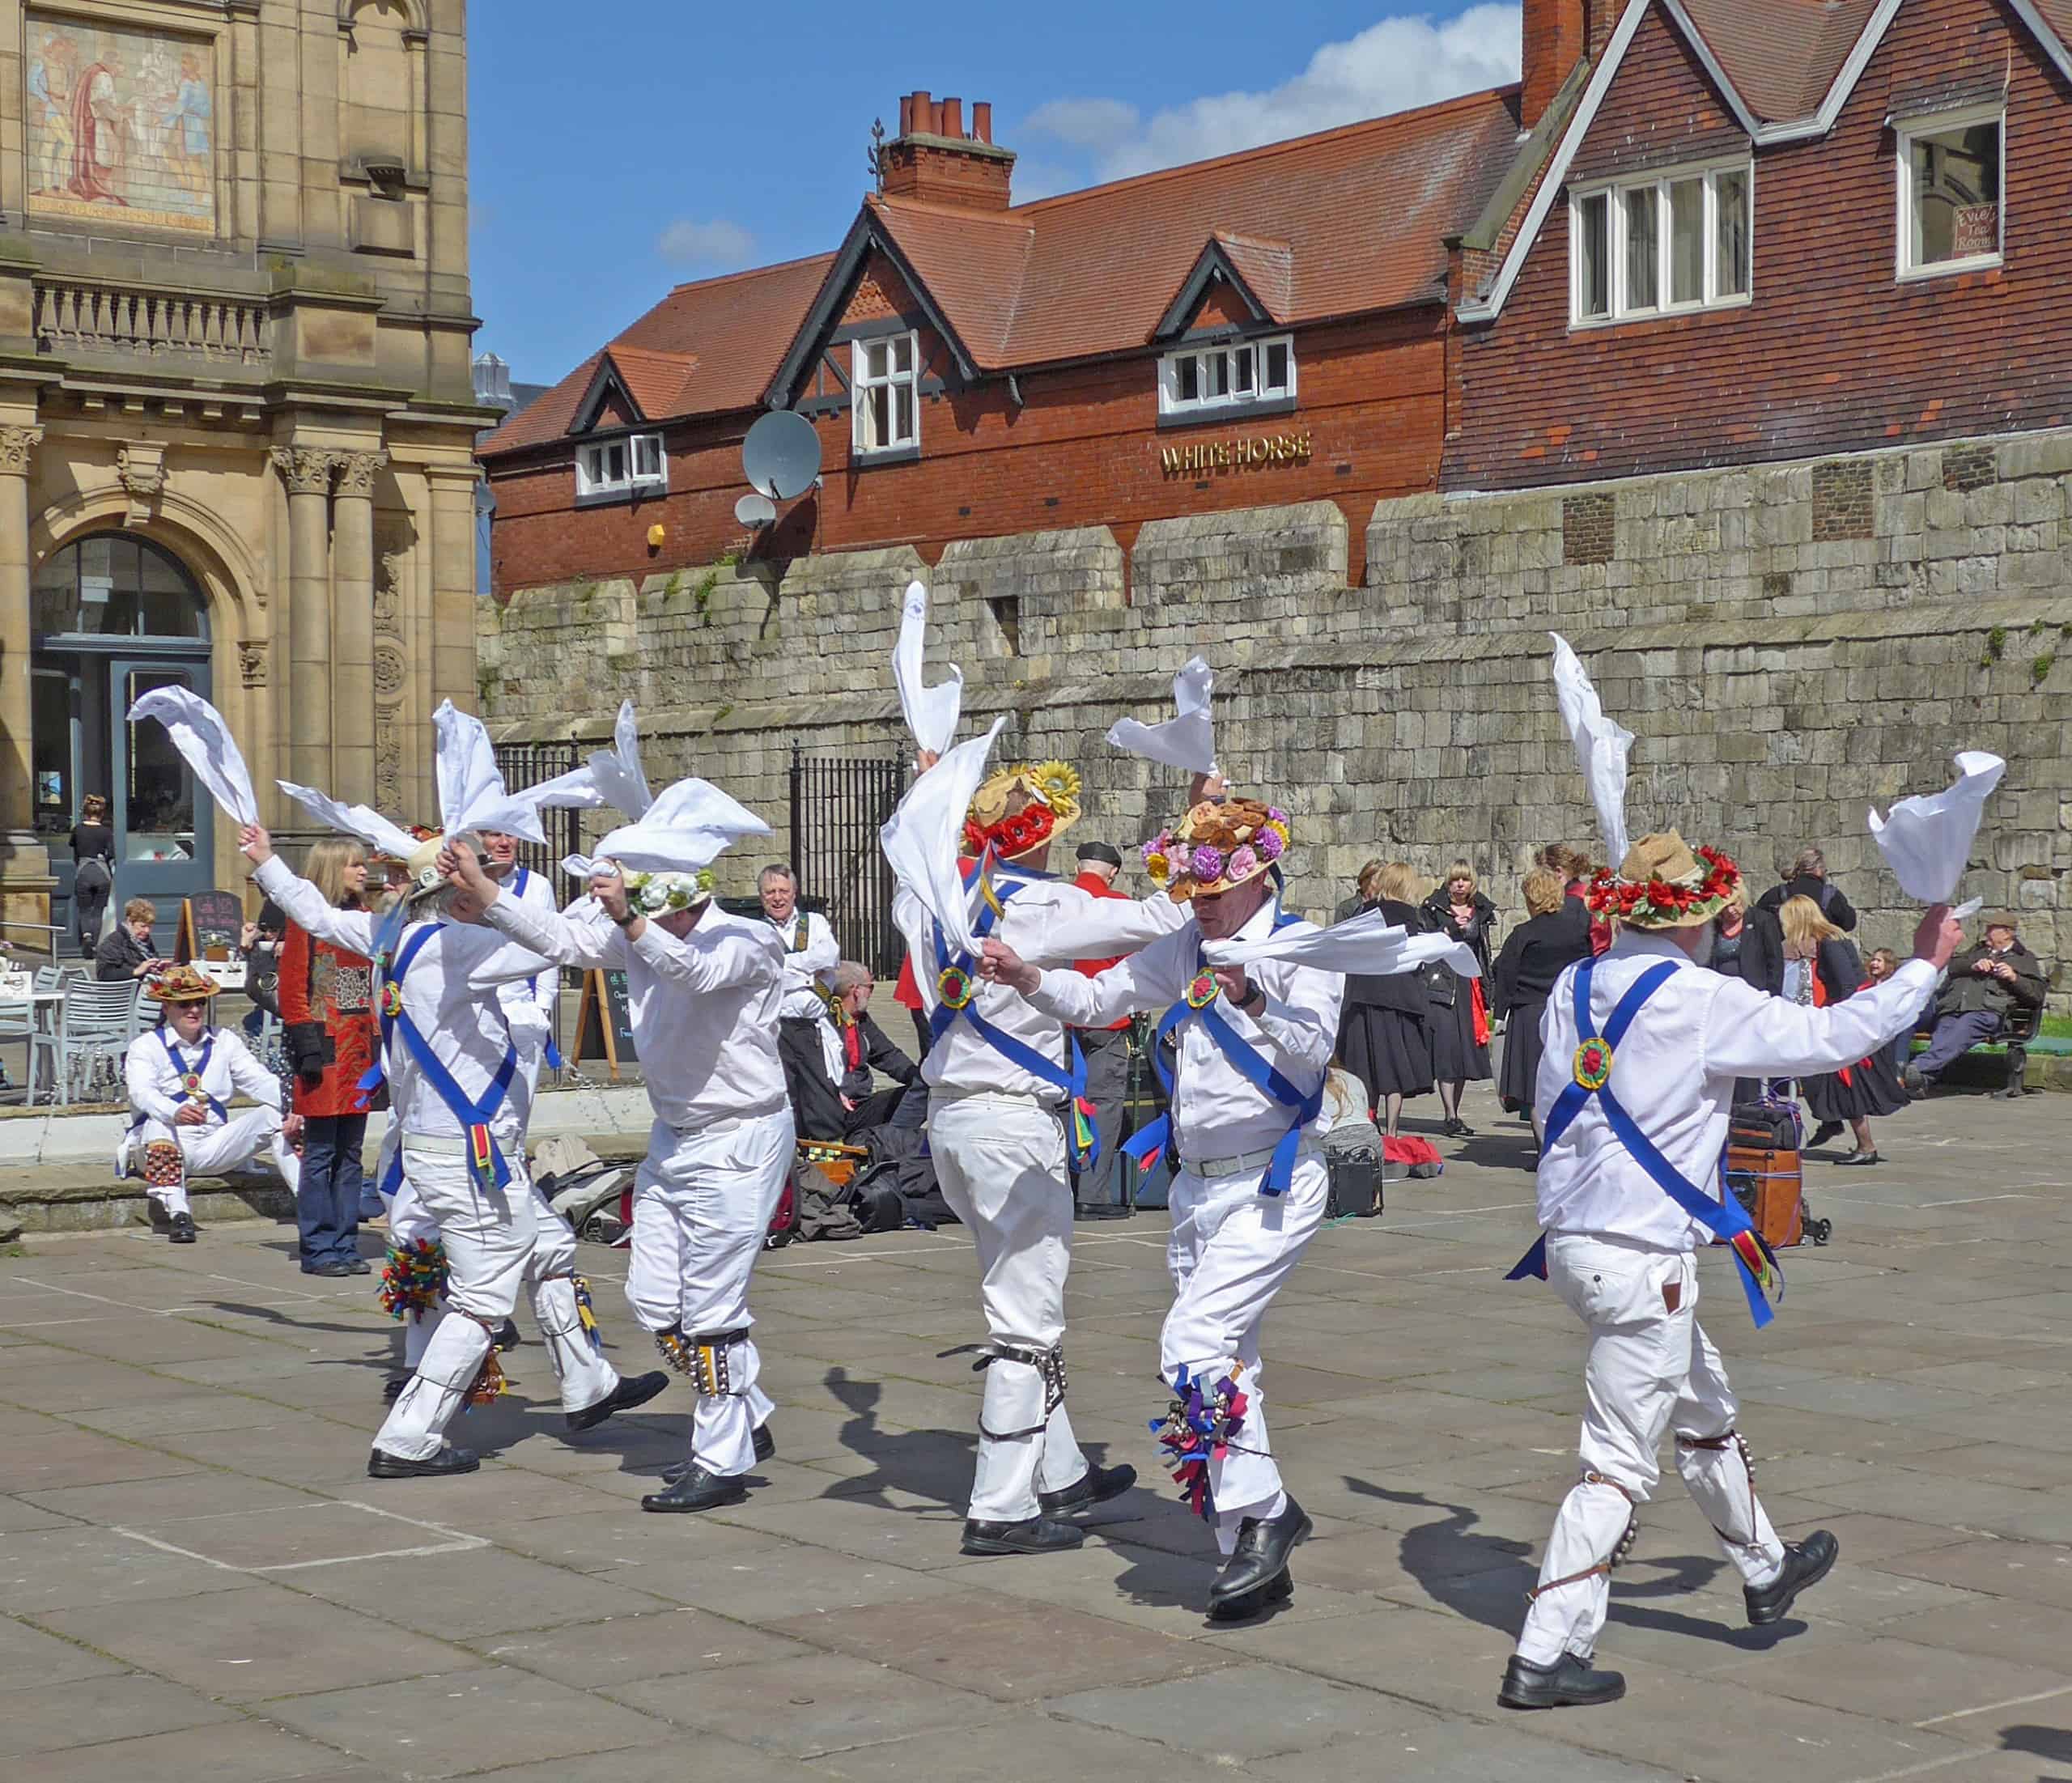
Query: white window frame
(1659, 180)
(1171, 402)
(592, 480)
(1940, 124)
(860, 381)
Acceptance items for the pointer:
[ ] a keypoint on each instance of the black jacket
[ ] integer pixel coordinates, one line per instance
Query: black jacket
(1823, 891)
(119, 955)
(1967, 989)
(1405, 990)
(1536, 952)
(1759, 962)
(879, 1055)
(1478, 929)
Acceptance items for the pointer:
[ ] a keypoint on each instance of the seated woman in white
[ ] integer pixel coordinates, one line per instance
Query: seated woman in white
(181, 1075)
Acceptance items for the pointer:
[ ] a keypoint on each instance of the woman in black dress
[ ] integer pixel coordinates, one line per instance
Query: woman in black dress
(1384, 1037)
(1821, 966)
(1460, 1007)
(1555, 935)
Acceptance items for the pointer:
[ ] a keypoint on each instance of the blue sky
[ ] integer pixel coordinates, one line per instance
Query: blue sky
(623, 146)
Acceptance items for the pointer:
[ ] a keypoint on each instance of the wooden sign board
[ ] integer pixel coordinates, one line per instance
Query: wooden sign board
(211, 923)
(603, 1022)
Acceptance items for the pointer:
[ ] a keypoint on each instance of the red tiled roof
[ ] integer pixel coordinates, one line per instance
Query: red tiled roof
(1782, 55)
(1268, 267)
(723, 336)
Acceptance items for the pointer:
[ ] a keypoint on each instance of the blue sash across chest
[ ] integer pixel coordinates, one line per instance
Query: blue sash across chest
(190, 1077)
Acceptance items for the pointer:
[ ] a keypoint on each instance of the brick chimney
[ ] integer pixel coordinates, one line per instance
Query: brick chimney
(935, 157)
(1557, 36)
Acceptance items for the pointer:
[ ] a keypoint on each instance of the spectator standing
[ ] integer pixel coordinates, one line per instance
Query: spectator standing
(1384, 1033)
(1576, 870)
(1987, 981)
(93, 871)
(1881, 965)
(1460, 1007)
(1554, 936)
(1364, 894)
(1098, 1194)
(129, 951)
(325, 995)
(1822, 969)
(1808, 878)
(811, 952)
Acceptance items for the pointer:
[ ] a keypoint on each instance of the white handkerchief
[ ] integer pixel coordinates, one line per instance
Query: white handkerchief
(1188, 741)
(1927, 839)
(198, 732)
(578, 866)
(923, 839)
(930, 712)
(687, 828)
(1368, 945)
(362, 822)
(1601, 746)
(471, 790)
(618, 772)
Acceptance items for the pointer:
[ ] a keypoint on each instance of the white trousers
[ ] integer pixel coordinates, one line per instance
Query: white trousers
(1650, 1367)
(1000, 1161)
(497, 1241)
(211, 1150)
(702, 1205)
(1231, 1248)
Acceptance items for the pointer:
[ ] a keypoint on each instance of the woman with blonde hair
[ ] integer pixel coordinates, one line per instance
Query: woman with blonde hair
(1384, 1034)
(1821, 967)
(328, 1024)
(1460, 1007)
(1555, 935)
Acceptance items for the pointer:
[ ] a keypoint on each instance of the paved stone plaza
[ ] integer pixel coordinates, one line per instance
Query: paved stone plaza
(200, 1582)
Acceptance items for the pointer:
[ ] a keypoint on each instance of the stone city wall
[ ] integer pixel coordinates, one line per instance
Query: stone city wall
(1791, 643)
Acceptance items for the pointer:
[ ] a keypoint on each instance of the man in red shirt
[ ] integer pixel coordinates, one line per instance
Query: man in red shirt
(1099, 1195)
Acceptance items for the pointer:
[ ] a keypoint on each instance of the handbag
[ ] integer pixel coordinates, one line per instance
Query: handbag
(1441, 983)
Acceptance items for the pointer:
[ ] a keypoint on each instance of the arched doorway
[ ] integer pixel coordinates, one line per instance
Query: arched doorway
(113, 615)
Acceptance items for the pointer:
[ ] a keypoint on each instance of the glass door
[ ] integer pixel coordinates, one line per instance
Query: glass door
(164, 821)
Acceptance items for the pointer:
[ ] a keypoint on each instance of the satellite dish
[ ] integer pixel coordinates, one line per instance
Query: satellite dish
(755, 511)
(781, 454)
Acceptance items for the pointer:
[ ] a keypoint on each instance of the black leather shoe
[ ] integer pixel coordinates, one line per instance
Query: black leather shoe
(638, 1391)
(1568, 1684)
(1826, 1130)
(1096, 1486)
(1917, 1082)
(765, 1447)
(507, 1334)
(1259, 1561)
(336, 1271)
(1860, 1157)
(392, 1389)
(381, 1465)
(1805, 1563)
(698, 1490)
(1031, 1536)
(183, 1230)
(1457, 1129)
(1104, 1210)
(359, 1265)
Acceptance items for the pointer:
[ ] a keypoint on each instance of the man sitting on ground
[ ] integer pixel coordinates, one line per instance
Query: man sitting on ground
(846, 1104)
(1986, 984)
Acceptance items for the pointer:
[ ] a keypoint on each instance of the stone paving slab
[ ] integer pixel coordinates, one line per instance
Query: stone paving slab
(199, 1581)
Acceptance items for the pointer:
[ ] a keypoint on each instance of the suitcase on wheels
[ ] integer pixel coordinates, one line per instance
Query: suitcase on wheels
(1355, 1188)
(1765, 1180)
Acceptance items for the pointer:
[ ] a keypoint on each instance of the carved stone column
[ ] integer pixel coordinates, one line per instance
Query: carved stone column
(24, 862)
(352, 636)
(308, 473)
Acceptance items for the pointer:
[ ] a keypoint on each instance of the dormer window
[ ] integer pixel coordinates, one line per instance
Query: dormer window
(630, 463)
(887, 371)
(1234, 375)
(1950, 216)
(1668, 242)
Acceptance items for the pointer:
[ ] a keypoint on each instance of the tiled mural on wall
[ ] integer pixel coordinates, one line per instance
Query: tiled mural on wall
(121, 128)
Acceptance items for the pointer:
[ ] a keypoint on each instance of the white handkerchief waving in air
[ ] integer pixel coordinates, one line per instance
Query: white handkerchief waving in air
(1601, 746)
(198, 732)
(1187, 742)
(613, 776)
(930, 712)
(687, 828)
(1926, 840)
(471, 790)
(923, 839)
(1367, 945)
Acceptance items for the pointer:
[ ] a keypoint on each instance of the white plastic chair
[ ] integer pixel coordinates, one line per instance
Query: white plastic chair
(17, 1022)
(96, 1022)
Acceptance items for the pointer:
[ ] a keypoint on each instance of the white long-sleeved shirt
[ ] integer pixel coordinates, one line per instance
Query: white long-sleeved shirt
(704, 1009)
(530, 1004)
(156, 1077)
(449, 994)
(1047, 922)
(1674, 1072)
(811, 952)
(1217, 1113)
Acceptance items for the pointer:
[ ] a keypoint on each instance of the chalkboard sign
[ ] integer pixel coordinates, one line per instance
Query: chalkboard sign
(603, 1023)
(211, 923)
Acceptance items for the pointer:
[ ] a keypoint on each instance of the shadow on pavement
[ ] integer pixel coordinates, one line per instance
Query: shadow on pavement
(2054, 1744)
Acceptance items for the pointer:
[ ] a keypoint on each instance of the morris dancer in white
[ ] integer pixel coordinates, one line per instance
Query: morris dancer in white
(1249, 1183)
(179, 1075)
(1637, 1081)
(704, 990)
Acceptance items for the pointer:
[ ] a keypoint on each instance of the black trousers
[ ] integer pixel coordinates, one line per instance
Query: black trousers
(816, 1104)
(1107, 1053)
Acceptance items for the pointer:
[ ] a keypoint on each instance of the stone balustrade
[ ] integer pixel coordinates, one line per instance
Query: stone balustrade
(83, 316)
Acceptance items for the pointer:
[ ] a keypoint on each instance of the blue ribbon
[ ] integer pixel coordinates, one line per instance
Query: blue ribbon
(181, 1066)
(1725, 1218)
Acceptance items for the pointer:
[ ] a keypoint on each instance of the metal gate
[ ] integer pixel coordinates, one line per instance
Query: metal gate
(839, 805)
(527, 764)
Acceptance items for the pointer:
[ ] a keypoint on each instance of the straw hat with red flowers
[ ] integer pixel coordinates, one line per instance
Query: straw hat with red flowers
(1662, 885)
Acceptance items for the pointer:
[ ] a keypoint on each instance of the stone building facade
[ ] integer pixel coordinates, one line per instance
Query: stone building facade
(235, 413)
(1780, 680)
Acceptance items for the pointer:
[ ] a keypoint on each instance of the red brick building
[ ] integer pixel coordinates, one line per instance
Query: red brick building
(1264, 328)
(1771, 229)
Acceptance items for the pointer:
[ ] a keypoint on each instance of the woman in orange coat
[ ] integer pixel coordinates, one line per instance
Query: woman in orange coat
(327, 1022)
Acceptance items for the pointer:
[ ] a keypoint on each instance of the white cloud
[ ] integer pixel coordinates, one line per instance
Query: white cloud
(1397, 63)
(719, 246)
